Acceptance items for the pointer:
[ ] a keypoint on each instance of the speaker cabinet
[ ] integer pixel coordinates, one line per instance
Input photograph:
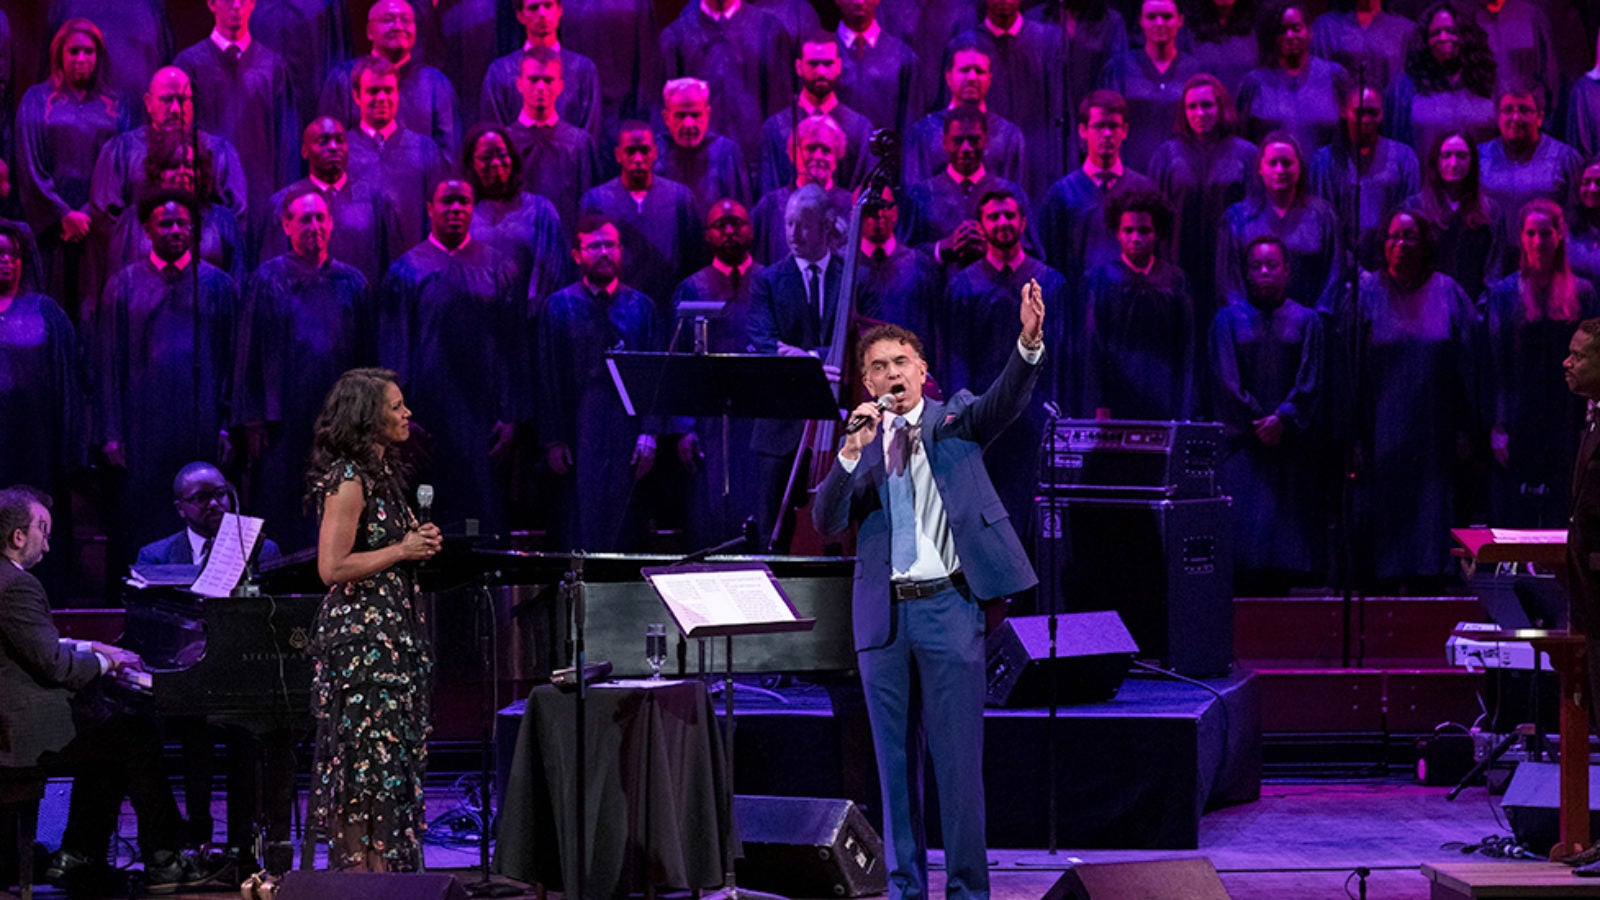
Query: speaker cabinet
(302, 885)
(1532, 804)
(808, 847)
(1159, 879)
(1093, 651)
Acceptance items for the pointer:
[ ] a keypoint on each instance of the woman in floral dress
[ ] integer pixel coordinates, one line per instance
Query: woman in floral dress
(370, 693)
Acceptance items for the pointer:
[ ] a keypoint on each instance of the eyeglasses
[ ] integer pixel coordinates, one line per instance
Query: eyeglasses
(206, 498)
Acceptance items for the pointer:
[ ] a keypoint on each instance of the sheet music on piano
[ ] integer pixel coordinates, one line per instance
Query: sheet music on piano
(230, 553)
(733, 598)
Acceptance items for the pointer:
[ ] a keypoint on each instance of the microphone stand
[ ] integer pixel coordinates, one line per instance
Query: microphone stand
(489, 655)
(575, 593)
(1353, 647)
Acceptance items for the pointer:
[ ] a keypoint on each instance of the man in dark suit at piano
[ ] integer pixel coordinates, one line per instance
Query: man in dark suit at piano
(202, 496)
(1582, 368)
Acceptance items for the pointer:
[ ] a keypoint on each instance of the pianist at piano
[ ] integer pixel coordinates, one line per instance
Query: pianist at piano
(43, 678)
(201, 495)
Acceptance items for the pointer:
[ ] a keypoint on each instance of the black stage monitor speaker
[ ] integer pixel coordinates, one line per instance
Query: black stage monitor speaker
(298, 885)
(808, 847)
(1093, 652)
(1532, 800)
(1158, 879)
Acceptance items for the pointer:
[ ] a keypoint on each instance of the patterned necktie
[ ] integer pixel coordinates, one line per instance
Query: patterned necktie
(205, 551)
(902, 499)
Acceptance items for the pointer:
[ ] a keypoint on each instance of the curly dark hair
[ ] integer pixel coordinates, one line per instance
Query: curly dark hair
(469, 149)
(1207, 26)
(877, 334)
(1140, 200)
(170, 150)
(1475, 62)
(349, 427)
(1269, 27)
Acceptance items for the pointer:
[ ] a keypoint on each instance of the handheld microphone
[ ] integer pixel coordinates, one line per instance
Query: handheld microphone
(425, 503)
(887, 400)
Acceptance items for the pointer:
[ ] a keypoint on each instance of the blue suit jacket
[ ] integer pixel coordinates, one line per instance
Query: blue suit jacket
(780, 312)
(954, 435)
(174, 550)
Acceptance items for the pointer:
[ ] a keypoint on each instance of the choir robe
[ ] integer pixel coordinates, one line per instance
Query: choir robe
(138, 35)
(579, 406)
(1201, 180)
(1420, 377)
(1090, 47)
(926, 26)
(1269, 362)
(1072, 228)
(405, 167)
(429, 49)
(771, 241)
(559, 163)
(935, 206)
(1139, 344)
(1027, 89)
(984, 307)
(1230, 58)
(366, 229)
(40, 394)
(301, 326)
(313, 37)
(883, 82)
(119, 171)
(1530, 400)
(1155, 100)
(1583, 117)
(712, 169)
(1378, 48)
(1519, 37)
(1583, 248)
(1006, 154)
(452, 328)
(428, 103)
(1552, 173)
(580, 103)
(144, 356)
(58, 140)
(798, 17)
(250, 103)
(623, 40)
(475, 34)
(1306, 107)
(1416, 118)
(734, 56)
(8, 87)
(1311, 232)
(1390, 177)
(777, 167)
(662, 236)
(711, 519)
(528, 232)
(905, 287)
(222, 242)
(1472, 256)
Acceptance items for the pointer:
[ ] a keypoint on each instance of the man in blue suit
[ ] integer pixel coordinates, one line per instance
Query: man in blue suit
(933, 543)
(201, 495)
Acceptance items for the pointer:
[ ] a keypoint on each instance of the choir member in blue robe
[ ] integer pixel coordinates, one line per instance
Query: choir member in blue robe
(658, 219)
(1224, 39)
(1364, 164)
(387, 154)
(1583, 244)
(1201, 172)
(1028, 87)
(366, 229)
(475, 33)
(1151, 81)
(623, 39)
(61, 127)
(705, 162)
(428, 102)
(592, 445)
(968, 79)
(246, 97)
(1284, 206)
(312, 36)
(705, 456)
(1266, 379)
(926, 26)
(1524, 163)
(523, 227)
(731, 47)
(1449, 82)
(882, 77)
(304, 320)
(1366, 39)
(146, 418)
(1471, 228)
(1520, 37)
(817, 66)
(40, 391)
(942, 211)
(452, 328)
(817, 146)
(793, 305)
(983, 304)
(32, 266)
(559, 160)
(580, 104)
(798, 17)
(138, 37)
(896, 283)
(1530, 317)
(1095, 35)
(1583, 114)
(1290, 89)
(1418, 374)
(1139, 343)
(171, 165)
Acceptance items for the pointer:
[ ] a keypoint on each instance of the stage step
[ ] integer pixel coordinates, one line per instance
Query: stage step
(1384, 701)
(1469, 880)
(1308, 632)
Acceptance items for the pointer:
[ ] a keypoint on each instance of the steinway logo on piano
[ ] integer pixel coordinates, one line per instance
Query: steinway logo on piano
(299, 640)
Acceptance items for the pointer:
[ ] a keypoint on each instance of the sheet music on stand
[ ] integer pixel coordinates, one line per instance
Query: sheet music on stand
(712, 599)
(230, 553)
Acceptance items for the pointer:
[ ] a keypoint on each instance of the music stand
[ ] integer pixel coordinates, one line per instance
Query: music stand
(726, 599)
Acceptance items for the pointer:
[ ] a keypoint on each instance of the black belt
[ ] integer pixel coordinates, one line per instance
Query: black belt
(921, 590)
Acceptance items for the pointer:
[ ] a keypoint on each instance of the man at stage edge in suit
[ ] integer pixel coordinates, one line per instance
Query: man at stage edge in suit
(1582, 367)
(933, 544)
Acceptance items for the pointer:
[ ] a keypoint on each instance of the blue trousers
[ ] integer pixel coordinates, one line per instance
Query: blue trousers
(924, 691)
